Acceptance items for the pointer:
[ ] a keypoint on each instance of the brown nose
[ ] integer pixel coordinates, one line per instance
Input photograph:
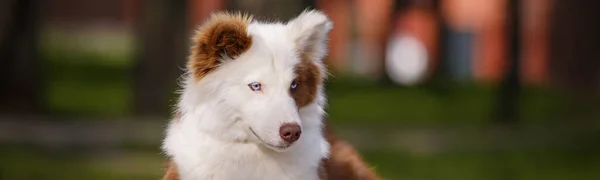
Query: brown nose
(290, 132)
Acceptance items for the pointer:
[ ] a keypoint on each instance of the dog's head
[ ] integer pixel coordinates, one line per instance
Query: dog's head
(263, 81)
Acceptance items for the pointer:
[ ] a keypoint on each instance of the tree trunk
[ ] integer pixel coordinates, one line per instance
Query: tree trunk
(19, 67)
(574, 56)
(269, 10)
(510, 86)
(162, 42)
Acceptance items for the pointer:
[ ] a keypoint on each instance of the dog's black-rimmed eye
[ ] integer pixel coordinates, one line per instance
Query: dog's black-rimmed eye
(294, 85)
(255, 86)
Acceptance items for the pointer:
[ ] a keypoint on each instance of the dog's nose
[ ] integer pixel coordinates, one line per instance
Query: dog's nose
(290, 132)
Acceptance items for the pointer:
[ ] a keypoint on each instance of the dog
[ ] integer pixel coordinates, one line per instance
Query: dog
(252, 105)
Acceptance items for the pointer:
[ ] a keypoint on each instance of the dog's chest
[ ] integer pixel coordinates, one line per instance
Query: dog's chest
(247, 162)
(250, 168)
(248, 173)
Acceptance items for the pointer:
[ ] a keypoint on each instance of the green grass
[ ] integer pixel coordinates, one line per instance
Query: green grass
(86, 88)
(548, 165)
(356, 102)
(28, 163)
(87, 73)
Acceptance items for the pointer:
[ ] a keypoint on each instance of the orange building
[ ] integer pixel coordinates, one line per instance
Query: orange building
(486, 20)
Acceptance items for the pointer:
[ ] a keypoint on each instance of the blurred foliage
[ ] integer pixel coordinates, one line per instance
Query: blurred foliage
(80, 83)
(82, 79)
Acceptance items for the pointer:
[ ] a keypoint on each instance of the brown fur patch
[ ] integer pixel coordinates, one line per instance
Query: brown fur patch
(171, 171)
(322, 170)
(308, 78)
(344, 162)
(222, 34)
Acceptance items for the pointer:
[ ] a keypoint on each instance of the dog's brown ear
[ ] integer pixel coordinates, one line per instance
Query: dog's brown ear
(224, 35)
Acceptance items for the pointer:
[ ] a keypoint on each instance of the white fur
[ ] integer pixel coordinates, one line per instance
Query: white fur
(212, 139)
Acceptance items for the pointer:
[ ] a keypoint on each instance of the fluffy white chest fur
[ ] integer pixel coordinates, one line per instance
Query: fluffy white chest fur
(252, 101)
(200, 156)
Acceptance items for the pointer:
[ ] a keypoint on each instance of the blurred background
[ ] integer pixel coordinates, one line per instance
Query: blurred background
(425, 89)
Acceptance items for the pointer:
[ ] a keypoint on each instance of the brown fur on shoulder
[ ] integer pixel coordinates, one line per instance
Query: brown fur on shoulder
(344, 162)
(171, 171)
(223, 34)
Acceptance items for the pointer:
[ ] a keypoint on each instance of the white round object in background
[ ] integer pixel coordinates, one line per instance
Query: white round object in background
(406, 60)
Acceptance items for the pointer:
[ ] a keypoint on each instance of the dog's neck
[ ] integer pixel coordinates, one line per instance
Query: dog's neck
(203, 155)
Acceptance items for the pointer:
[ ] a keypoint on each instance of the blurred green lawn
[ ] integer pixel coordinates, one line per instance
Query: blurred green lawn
(22, 164)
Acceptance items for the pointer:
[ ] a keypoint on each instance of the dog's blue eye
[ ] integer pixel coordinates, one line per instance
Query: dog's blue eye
(294, 85)
(255, 86)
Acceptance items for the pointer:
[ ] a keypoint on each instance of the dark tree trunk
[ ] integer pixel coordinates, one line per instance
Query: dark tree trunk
(19, 64)
(510, 86)
(441, 81)
(163, 44)
(269, 10)
(575, 56)
(441, 69)
(574, 41)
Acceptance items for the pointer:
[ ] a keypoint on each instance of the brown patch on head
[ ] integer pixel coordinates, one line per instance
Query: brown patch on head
(308, 77)
(223, 34)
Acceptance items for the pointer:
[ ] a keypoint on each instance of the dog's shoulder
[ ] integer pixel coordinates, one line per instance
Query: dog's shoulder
(344, 162)
(171, 172)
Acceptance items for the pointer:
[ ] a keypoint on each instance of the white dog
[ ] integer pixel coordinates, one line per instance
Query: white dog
(252, 105)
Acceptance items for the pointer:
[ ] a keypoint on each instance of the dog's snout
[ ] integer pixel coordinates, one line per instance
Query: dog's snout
(290, 132)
